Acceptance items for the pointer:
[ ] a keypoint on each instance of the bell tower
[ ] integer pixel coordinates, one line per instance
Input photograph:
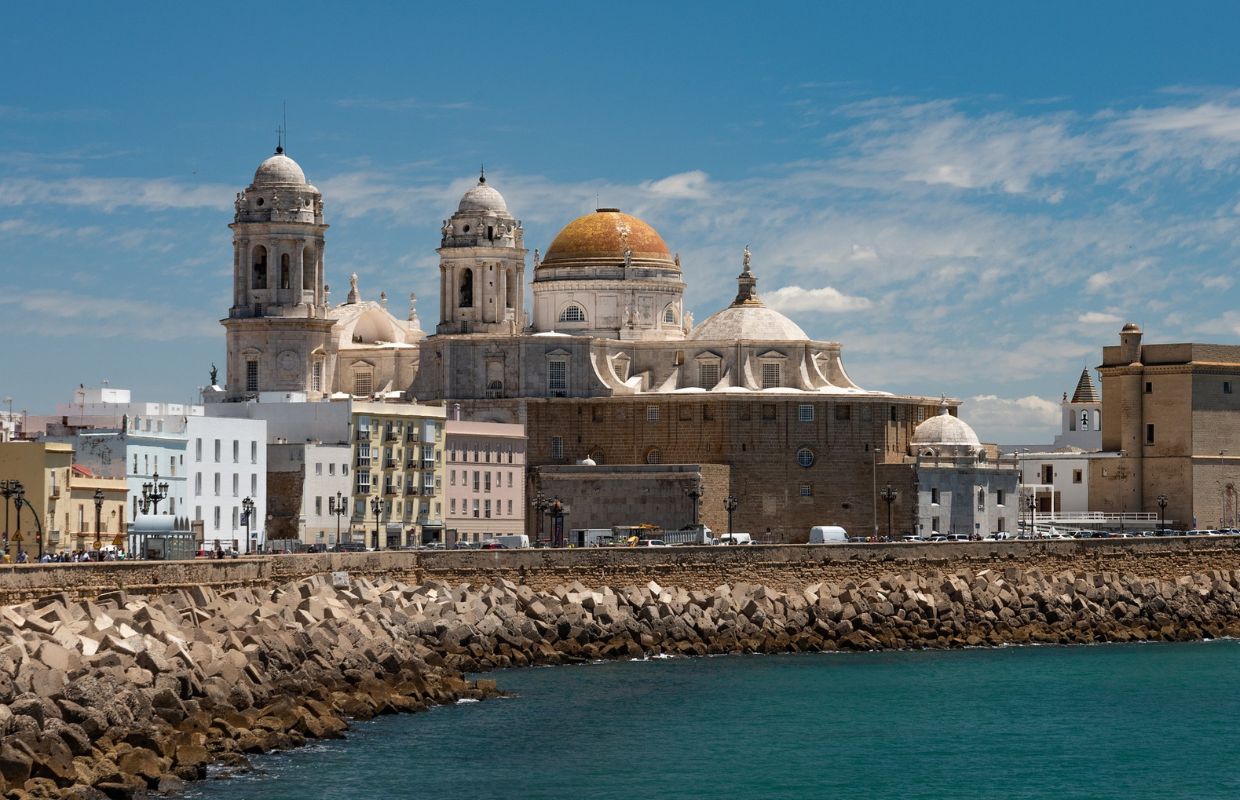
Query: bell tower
(482, 266)
(278, 328)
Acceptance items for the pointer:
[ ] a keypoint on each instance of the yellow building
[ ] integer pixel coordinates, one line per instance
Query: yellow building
(90, 525)
(42, 469)
(398, 468)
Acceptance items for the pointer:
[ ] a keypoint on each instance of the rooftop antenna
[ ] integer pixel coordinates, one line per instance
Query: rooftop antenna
(482, 173)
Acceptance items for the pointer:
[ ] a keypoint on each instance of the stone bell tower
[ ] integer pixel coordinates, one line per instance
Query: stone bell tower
(279, 333)
(482, 266)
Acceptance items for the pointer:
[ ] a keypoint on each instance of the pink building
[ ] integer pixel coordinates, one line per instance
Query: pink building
(486, 479)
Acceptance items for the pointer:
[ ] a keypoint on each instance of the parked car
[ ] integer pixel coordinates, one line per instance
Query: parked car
(492, 546)
(350, 547)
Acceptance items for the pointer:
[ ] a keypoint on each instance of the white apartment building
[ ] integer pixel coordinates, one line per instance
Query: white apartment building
(210, 464)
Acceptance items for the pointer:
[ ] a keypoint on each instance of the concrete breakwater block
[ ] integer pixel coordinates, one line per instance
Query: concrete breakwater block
(125, 693)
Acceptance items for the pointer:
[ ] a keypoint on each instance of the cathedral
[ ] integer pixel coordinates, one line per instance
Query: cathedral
(608, 365)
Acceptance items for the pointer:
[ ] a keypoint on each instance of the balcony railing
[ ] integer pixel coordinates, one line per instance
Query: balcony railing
(389, 463)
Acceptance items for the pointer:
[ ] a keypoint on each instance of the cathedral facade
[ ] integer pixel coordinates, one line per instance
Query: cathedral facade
(607, 365)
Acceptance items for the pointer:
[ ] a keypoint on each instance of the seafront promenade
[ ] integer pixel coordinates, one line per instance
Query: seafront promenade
(783, 567)
(121, 678)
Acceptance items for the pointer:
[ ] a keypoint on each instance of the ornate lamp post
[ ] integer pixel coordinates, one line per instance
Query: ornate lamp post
(247, 511)
(556, 509)
(694, 492)
(729, 505)
(376, 505)
(153, 493)
(1032, 503)
(1162, 513)
(888, 494)
(8, 489)
(335, 507)
(98, 518)
(539, 503)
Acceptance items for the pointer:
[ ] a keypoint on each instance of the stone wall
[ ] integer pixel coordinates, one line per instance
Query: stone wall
(782, 567)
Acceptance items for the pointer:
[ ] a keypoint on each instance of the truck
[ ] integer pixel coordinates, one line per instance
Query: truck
(513, 541)
(591, 537)
(827, 534)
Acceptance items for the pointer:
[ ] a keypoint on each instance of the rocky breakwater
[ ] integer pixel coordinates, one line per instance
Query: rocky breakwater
(117, 696)
(123, 695)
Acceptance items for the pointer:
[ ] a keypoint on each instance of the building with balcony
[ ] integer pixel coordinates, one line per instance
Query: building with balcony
(486, 479)
(398, 470)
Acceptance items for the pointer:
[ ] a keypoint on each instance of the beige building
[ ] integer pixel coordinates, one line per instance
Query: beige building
(284, 336)
(43, 469)
(85, 528)
(608, 364)
(486, 480)
(398, 469)
(1171, 416)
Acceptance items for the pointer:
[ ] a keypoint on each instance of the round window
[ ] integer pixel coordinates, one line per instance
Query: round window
(258, 202)
(805, 457)
(465, 229)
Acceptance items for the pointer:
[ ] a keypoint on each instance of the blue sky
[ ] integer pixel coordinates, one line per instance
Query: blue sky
(971, 197)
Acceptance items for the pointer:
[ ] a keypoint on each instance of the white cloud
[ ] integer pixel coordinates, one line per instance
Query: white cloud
(1030, 419)
(791, 299)
(1098, 318)
(685, 186)
(53, 313)
(109, 194)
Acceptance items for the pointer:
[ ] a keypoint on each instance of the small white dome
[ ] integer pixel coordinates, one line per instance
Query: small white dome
(279, 169)
(483, 198)
(945, 430)
(748, 322)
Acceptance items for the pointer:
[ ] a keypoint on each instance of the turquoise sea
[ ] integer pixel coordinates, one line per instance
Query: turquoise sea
(1111, 721)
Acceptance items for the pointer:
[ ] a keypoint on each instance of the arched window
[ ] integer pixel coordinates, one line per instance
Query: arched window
(467, 289)
(805, 457)
(653, 456)
(284, 279)
(495, 389)
(669, 315)
(307, 269)
(573, 314)
(1084, 420)
(260, 267)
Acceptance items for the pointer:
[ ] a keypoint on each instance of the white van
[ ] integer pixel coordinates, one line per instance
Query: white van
(827, 534)
(513, 541)
(735, 538)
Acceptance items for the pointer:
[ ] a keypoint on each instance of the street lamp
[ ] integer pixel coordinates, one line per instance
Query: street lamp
(888, 494)
(376, 505)
(539, 503)
(1161, 500)
(1033, 521)
(729, 505)
(694, 492)
(153, 493)
(335, 506)
(247, 511)
(556, 508)
(98, 518)
(8, 489)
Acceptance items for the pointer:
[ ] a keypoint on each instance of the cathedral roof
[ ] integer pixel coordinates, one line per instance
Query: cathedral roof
(483, 198)
(945, 430)
(606, 235)
(754, 322)
(279, 170)
(748, 317)
(1086, 391)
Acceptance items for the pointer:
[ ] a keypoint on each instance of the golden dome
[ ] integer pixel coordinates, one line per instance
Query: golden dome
(604, 236)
